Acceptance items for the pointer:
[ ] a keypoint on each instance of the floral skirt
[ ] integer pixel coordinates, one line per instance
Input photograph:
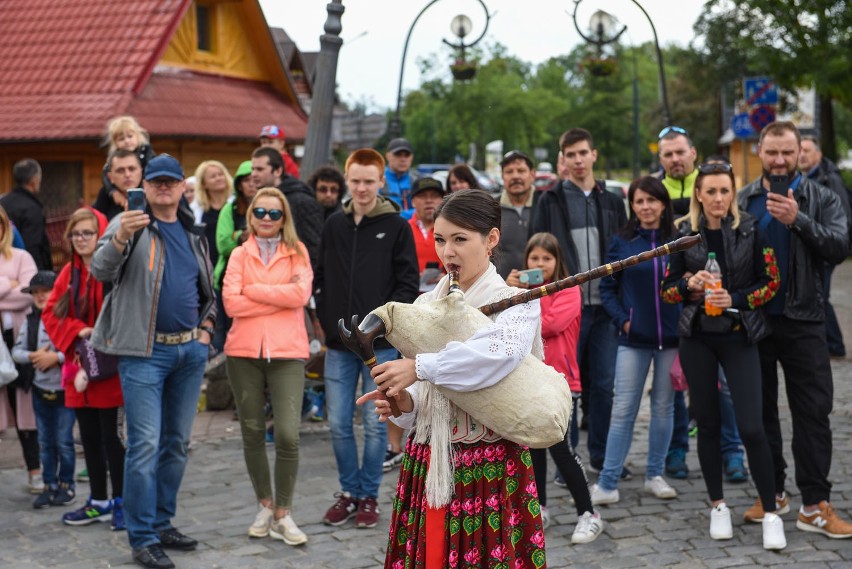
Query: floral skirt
(493, 520)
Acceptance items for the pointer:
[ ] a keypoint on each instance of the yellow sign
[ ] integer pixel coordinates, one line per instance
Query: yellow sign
(654, 147)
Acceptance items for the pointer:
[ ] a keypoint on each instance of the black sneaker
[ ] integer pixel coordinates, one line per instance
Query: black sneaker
(173, 539)
(64, 495)
(45, 499)
(153, 557)
(392, 460)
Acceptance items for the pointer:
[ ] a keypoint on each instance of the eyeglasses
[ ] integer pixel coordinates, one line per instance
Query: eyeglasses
(169, 183)
(261, 212)
(670, 129)
(715, 168)
(84, 235)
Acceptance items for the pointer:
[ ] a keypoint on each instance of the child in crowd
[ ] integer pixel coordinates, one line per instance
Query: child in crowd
(70, 315)
(36, 354)
(273, 135)
(560, 331)
(126, 133)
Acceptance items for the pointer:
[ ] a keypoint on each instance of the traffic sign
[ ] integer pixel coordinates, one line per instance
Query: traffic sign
(741, 125)
(760, 91)
(761, 116)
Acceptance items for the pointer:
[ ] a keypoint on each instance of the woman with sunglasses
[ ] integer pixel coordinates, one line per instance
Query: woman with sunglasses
(267, 284)
(750, 278)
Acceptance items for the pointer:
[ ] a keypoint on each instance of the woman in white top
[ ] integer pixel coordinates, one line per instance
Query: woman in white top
(480, 505)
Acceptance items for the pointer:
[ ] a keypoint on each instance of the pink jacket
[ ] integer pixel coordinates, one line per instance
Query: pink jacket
(560, 331)
(265, 303)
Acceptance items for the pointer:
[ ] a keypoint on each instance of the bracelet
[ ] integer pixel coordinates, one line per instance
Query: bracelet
(119, 241)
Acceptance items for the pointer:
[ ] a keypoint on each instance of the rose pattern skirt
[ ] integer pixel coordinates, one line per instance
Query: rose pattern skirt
(493, 520)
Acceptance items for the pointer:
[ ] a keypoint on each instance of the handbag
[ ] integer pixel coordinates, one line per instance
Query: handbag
(8, 371)
(97, 365)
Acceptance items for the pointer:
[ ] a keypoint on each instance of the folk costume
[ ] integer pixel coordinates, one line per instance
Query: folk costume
(467, 496)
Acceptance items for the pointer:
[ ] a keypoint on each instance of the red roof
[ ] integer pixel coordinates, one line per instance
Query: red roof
(70, 66)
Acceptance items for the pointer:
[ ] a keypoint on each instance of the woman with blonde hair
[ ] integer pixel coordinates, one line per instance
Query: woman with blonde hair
(17, 267)
(266, 286)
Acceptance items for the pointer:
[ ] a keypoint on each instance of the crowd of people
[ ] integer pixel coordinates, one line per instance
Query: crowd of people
(118, 341)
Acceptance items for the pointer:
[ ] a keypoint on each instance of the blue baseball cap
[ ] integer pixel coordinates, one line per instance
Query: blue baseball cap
(163, 166)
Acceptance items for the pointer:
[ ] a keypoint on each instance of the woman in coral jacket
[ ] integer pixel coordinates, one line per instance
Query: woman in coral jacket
(70, 315)
(267, 284)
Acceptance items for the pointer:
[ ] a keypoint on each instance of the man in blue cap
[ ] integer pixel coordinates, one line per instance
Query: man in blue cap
(159, 320)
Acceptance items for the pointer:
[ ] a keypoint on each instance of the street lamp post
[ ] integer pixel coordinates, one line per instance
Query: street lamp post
(664, 97)
(318, 141)
(396, 123)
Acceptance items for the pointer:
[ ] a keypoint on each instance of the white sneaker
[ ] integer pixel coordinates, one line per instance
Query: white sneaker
(659, 488)
(773, 532)
(589, 527)
(720, 522)
(601, 496)
(262, 521)
(35, 484)
(286, 530)
(545, 517)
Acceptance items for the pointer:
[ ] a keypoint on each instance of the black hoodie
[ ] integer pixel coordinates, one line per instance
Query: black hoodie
(361, 267)
(307, 213)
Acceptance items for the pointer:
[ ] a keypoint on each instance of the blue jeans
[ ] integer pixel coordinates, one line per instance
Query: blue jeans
(596, 352)
(342, 369)
(56, 442)
(631, 369)
(731, 443)
(160, 400)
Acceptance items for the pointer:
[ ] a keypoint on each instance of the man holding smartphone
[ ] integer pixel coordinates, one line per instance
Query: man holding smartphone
(517, 202)
(807, 228)
(159, 320)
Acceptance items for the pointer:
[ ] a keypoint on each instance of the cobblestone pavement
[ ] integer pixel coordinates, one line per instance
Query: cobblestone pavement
(216, 506)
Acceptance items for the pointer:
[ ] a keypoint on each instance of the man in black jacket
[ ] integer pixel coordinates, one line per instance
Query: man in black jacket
(823, 171)
(807, 228)
(27, 212)
(367, 258)
(583, 216)
(267, 170)
(124, 173)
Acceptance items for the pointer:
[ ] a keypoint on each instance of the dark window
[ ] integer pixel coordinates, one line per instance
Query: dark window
(61, 193)
(202, 18)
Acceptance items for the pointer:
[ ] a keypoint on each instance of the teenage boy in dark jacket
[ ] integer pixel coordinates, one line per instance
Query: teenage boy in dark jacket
(366, 258)
(583, 216)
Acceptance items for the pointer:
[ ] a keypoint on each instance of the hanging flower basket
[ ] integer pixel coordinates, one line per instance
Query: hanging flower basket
(599, 67)
(463, 70)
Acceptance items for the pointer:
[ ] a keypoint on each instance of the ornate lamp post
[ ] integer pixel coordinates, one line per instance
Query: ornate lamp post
(318, 140)
(460, 26)
(667, 115)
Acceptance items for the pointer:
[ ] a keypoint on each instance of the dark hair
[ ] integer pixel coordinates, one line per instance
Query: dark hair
(549, 243)
(122, 153)
(328, 174)
(674, 135)
(473, 210)
(575, 135)
(652, 186)
(274, 156)
(25, 170)
(465, 174)
(717, 159)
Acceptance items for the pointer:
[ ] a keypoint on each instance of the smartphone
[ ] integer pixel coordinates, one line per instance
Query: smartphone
(779, 185)
(136, 199)
(532, 277)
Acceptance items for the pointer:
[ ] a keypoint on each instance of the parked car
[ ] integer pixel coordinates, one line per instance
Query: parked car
(545, 180)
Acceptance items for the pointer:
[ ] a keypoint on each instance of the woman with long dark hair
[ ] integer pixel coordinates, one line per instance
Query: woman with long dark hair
(647, 333)
(461, 177)
(749, 279)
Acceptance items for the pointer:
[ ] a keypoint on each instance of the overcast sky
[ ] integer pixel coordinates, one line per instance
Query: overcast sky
(374, 33)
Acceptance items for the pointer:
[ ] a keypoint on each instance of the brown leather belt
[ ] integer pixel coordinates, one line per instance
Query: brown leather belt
(175, 338)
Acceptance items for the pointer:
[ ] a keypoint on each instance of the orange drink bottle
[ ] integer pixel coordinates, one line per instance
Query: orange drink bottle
(710, 285)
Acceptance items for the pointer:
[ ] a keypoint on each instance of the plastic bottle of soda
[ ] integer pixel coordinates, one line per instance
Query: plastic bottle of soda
(715, 283)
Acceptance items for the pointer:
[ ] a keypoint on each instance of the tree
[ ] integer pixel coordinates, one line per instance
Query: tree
(798, 43)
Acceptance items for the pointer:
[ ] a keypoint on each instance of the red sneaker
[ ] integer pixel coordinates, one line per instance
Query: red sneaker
(368, 513)
(345, 508)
